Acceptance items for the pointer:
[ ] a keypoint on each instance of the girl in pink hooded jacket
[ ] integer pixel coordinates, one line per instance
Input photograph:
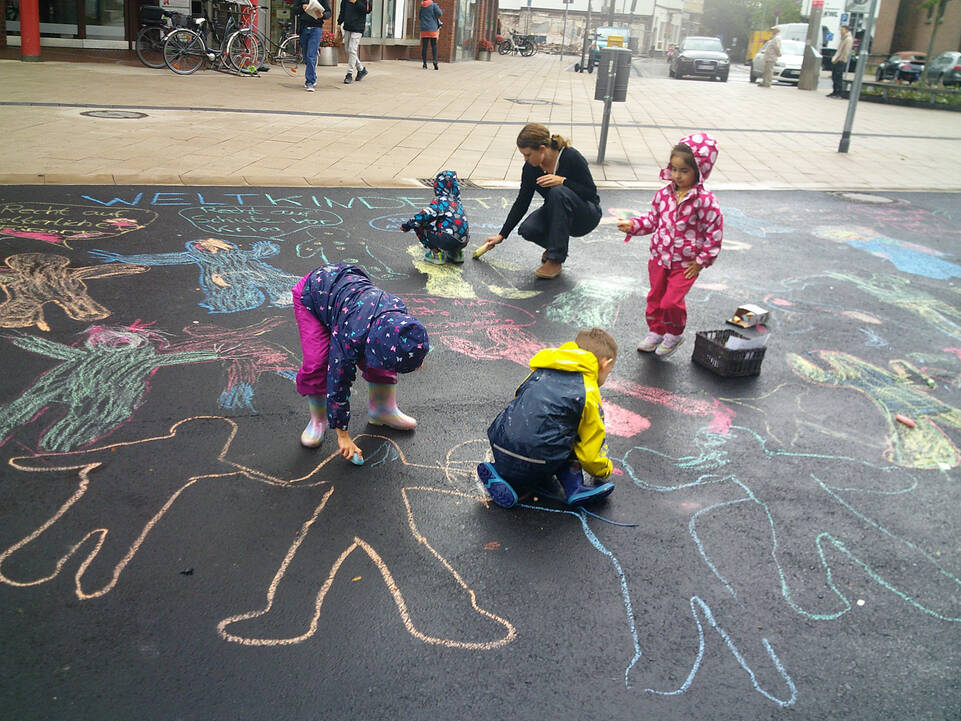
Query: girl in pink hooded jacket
(686, 225)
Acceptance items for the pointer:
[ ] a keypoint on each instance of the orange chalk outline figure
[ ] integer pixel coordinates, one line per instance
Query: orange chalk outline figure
(35, 279)
(76, 525)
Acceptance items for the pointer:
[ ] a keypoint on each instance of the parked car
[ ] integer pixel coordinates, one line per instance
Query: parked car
(700, 57)
(787, 69)
(905, 65)
(945, 69)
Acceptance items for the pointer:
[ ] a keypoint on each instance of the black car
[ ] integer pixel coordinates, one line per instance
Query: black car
(905, 65)
(944, 69)
(701, 57)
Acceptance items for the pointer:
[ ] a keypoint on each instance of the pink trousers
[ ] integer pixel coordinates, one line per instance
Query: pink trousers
(315, 345)
(666, 312)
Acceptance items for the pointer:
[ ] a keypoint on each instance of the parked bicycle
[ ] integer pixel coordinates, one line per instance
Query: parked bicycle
(157, 24)
(286, 53)
(517, 44)
(238, 49)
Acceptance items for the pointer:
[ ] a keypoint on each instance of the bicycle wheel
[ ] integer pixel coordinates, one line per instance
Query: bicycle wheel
(504, 48)
(184, 51)
(149, 45)
(527, 49)
(245, 53)
(289, 56)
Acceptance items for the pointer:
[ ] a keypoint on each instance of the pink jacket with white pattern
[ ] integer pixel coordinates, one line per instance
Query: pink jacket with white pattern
(689, 230)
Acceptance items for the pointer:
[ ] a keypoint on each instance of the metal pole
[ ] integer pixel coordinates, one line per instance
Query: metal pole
(567, 4)
(587, 27)
(608, 99)
(858, 77)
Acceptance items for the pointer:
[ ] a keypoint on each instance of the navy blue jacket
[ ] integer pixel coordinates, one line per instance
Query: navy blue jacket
(445, 214)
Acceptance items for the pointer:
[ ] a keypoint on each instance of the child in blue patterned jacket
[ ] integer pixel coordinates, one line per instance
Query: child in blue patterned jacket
(441, 227)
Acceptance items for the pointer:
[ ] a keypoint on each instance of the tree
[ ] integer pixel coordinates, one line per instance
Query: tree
(938, 18)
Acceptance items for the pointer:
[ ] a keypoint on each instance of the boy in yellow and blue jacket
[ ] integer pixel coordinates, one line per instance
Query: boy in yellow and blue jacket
(554, 426)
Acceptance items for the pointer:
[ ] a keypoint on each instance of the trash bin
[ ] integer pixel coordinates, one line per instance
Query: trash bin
(615, 63)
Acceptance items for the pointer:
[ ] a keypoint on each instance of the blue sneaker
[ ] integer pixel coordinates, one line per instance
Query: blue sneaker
(500, 490)
(435, 257)
(455, 256)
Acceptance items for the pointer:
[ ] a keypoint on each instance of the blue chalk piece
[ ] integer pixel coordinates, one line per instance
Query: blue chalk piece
(357, 460)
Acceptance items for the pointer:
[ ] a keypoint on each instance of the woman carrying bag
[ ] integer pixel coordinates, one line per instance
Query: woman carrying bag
(430, 26)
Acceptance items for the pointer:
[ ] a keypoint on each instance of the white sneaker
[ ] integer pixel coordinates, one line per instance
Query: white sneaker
(650, 342)
(309, 88)
(669, 345)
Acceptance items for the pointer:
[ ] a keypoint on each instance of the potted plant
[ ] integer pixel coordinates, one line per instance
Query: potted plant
(484, 49)
(327, 55)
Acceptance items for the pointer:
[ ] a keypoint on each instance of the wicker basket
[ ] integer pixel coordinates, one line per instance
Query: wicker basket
(709, 351)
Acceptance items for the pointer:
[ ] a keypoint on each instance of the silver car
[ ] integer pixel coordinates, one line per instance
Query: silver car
(787, 69)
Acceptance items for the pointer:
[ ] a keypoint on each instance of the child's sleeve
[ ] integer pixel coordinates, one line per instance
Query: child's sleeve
(424, 217)
(645, 224)
(341, 372)
(711, 231)
(591, 446)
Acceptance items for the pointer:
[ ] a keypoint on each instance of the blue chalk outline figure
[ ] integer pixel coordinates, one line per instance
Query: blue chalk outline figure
(232, 279)
(906, 256)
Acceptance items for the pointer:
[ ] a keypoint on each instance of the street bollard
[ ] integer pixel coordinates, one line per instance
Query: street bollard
(613, 74)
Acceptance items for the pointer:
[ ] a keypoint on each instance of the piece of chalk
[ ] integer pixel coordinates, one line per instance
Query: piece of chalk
(357, 460)
(905, 420)
(482, 249)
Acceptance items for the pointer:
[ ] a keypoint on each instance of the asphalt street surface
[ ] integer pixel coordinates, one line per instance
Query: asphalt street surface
(778, 545)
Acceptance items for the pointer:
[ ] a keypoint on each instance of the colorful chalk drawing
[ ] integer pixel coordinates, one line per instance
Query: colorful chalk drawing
(246, 355)
(59, 224)
(444, 281)
(91, 524)
(252, 221)
(232, 279)
(925, 446)
(36, 279)
(592, 303)
(906, 256)
(99, 384)
(946, 317)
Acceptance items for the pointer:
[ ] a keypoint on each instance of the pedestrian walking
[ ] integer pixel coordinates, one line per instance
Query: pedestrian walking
(430, 25)
(311, 29)
(686, 225)
(554, 426)
(839, 63)
(442, 226)
(560, 175)
(353, 19)
(772, 51)
(346, 322)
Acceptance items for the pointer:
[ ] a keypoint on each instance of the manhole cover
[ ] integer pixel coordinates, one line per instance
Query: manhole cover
(529, 101)
(114, 114)
(864, 198)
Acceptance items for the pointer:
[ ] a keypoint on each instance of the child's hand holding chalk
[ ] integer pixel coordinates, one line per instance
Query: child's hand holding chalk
(357, 459)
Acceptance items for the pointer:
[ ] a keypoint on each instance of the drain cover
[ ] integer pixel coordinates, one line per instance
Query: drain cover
(462, 182)
(864, 198)
(529, 101)
(114, 114)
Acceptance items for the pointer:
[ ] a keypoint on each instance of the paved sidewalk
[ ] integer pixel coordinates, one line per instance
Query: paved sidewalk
(403, 123)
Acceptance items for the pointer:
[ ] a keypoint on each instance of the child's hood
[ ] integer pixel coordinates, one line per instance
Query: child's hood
(445, 183)
(569, 357)
(704, 148)
(426, 3)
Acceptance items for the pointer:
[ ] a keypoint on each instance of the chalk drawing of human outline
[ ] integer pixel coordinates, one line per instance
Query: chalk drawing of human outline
(232, 279)
(86, 523)
(261, 626)
(101, 383)
(35, 279)
(925, 446)
(459, 467)
(793, 546)
(88, 527)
